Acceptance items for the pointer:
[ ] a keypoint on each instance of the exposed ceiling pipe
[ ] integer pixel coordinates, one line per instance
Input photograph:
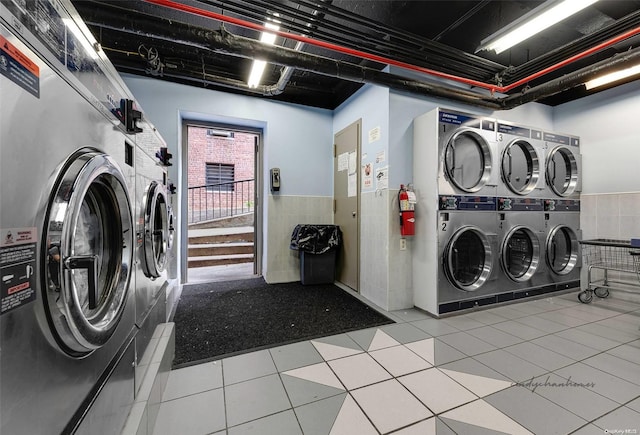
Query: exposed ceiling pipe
(226, 43)
(287, 71)
(357, 53)
(576, 78)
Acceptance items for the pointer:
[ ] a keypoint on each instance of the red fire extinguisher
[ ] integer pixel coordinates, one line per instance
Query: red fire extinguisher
(407, 213)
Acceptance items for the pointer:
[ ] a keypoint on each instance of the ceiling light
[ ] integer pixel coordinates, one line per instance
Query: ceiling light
(612, 77)
(542, 17)
(258, 66)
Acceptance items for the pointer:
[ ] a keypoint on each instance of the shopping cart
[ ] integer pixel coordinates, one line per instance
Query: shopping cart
(609, 255)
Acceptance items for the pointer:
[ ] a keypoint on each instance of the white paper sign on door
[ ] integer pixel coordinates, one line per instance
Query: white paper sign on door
(343, 162)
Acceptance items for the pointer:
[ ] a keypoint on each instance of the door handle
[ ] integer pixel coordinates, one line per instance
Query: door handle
(353, 214)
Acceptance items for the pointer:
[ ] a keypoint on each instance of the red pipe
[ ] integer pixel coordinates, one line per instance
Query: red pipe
(357, 53)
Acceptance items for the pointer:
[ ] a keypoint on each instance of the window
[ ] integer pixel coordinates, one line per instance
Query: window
(218, 173)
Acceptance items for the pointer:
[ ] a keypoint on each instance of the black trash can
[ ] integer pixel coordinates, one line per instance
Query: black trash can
(318, 246)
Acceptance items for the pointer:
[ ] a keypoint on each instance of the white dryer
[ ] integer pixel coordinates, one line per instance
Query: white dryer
(521, 161)
(563, 166)
(467, 153)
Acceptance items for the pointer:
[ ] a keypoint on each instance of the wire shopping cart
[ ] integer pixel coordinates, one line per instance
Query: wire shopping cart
(609, 255)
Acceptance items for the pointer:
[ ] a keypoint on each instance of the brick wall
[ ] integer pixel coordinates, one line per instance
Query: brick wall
(238, 151)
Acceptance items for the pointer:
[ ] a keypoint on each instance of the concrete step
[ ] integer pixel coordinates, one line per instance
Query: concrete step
(221, 235)
(208, 249)
(217, 260)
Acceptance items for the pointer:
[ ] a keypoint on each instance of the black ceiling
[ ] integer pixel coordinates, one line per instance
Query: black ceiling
(148, 39)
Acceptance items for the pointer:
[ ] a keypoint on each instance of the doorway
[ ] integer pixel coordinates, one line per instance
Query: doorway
(222, 202)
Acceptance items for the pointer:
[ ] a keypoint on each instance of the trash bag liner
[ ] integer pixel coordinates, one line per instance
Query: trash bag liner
(316, 239)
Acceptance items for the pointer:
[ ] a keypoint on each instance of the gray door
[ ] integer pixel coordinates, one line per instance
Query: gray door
(346, 177)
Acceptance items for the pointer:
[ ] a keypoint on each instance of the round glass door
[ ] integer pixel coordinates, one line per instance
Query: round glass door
(467, 160)
(156, 230)
(468, 259)
(562, 171)
(520, 253)
(562, 250)
(89, 238)
(520, 167)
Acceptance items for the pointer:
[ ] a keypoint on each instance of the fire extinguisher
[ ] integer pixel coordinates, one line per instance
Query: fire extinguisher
(407, 212)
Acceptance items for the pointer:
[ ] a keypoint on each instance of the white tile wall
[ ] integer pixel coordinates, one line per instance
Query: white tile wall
(385, 271)
(610, 215)
(374, 247)
(285, 212)
(614, 216)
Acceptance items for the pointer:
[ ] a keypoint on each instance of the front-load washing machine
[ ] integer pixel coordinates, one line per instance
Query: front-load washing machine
(153, 236)
(67, 235)
(562, 248)
(563, 166)
(521, 161)
(521, 241)
(467, 154)
(468, 252)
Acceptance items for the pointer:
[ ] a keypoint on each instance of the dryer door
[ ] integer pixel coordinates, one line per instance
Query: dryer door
(562, 172)
(562, 250)
(88, 250)
(156, 230)
(467, 160)
(468, 258)
(520, 253)
(520, 167)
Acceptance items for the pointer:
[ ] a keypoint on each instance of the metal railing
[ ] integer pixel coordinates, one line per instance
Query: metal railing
(221, 200)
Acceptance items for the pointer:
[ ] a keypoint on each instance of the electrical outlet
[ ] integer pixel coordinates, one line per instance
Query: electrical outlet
(403, 244)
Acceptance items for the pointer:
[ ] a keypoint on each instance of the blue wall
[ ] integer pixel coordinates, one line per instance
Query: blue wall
(297, 139)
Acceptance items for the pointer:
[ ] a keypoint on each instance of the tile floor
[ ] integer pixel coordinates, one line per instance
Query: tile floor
(547, 366)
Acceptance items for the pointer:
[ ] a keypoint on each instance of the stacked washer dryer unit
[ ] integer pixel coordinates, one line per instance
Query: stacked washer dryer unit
(563, 174)
(154, 237)
(67, 229)
(455, 178)
(520, 201)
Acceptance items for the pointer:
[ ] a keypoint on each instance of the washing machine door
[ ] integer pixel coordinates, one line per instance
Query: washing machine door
(468, 258)
(562, 250)
(156, 230)
(520, 254)
(87, 252)
(562, 171)
(520, 167)
(467, 160)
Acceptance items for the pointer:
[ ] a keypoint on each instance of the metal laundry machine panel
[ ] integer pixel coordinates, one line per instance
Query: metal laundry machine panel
(153, 234)
(562, 248)
(521, 239)
(467, 154)
(521, 161)
(563, 166)
(67, 244)
(467, 248)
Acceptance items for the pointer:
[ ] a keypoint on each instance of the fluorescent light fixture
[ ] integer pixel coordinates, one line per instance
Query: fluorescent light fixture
(539, 19)
(612, 77)
(258, 66)
(84, 40)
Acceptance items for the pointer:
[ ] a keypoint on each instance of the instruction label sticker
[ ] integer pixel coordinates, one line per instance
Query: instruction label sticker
(18, 68)
(17, 268)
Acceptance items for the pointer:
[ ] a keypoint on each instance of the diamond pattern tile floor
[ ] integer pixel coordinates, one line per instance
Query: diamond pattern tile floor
(551, 365)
